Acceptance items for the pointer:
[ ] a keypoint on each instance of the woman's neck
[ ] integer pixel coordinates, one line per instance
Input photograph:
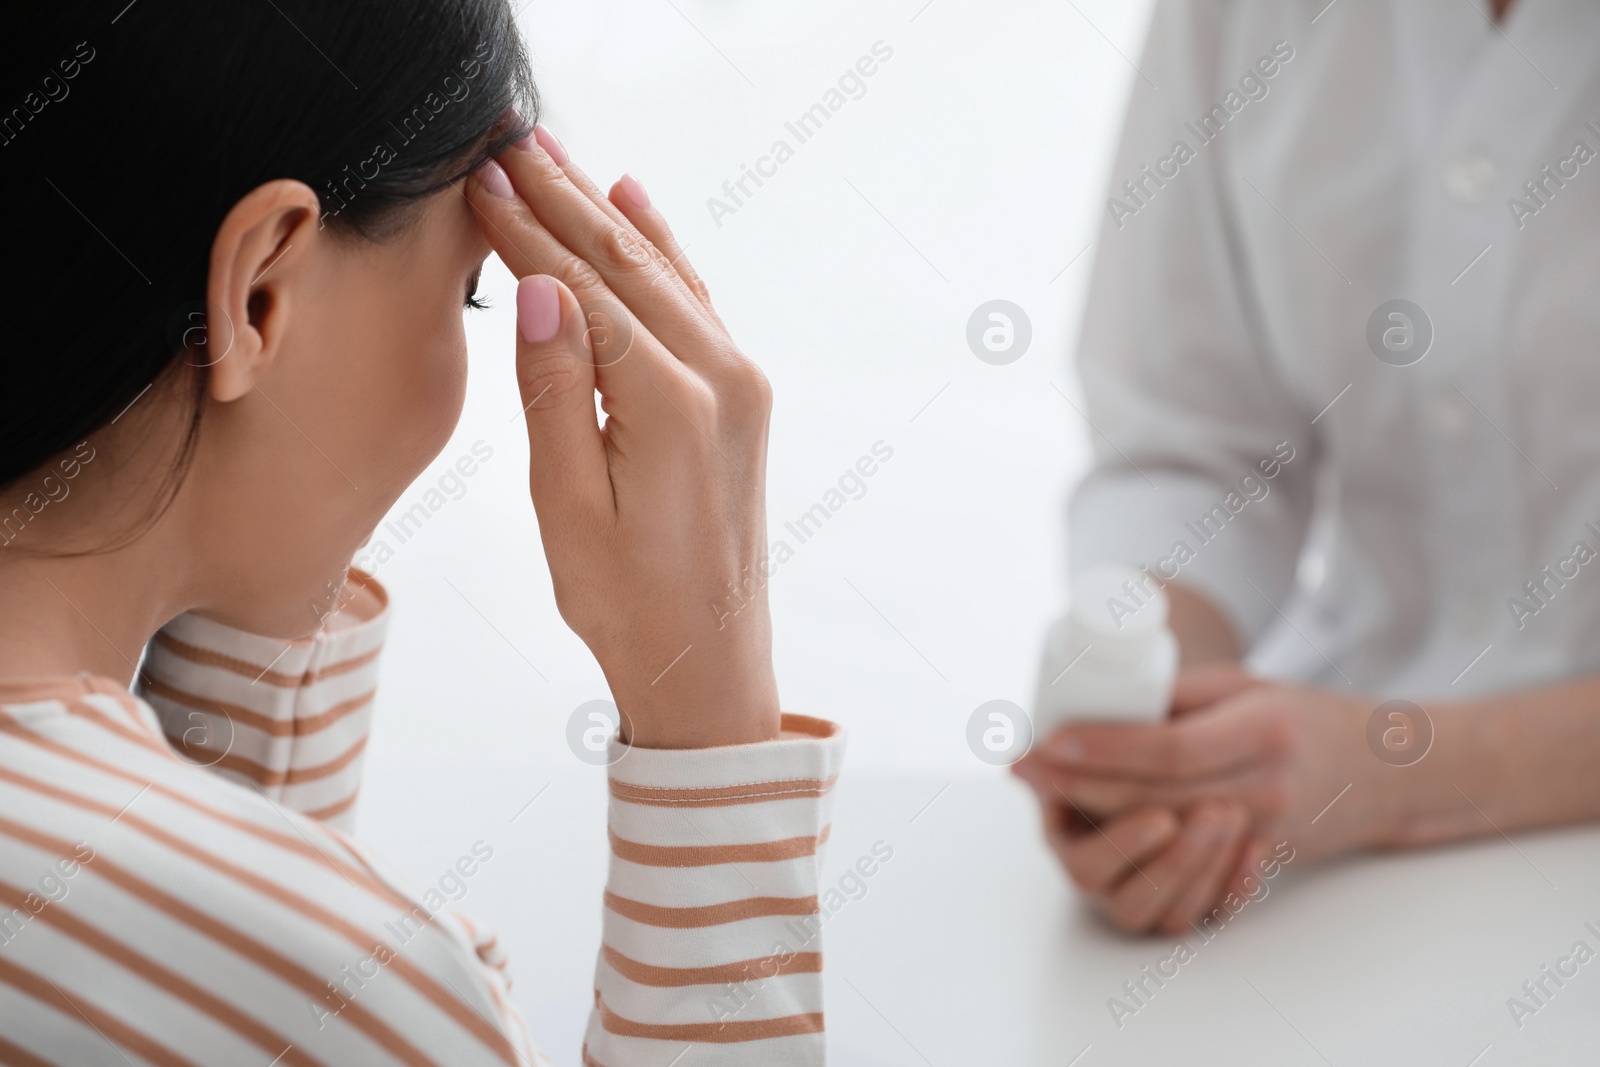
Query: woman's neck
(62, 615)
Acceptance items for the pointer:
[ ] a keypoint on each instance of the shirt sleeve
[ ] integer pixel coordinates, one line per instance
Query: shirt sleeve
(288, 718)
(712, 922)
(1188, 412)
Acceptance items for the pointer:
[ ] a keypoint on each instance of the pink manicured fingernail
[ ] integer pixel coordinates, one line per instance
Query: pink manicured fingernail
(538, 308)
(552, 144)
(635, 190)
(492, 178)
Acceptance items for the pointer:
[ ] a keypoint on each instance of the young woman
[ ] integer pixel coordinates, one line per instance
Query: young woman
(245, 234)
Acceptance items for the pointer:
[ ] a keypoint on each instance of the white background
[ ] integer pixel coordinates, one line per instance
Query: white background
(973, 168)
(985, 142)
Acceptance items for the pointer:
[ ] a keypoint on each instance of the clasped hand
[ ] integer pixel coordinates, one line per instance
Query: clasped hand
(1159, 822)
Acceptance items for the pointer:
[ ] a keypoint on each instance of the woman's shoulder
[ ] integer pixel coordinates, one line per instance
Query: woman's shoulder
(139, 885)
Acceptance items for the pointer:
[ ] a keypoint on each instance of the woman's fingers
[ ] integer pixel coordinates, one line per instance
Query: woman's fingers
(610, 205)
(622, 211)
(555, 376)
(627, 361)
(1211, 882)
(1099, 857)
(629, 196)
(610, 252)
(1147, 895)
(626, 208)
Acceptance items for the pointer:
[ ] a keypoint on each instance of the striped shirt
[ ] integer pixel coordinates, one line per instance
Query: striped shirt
(177, 885)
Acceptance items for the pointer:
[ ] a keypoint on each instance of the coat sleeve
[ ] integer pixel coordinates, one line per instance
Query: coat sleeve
(1203, 456)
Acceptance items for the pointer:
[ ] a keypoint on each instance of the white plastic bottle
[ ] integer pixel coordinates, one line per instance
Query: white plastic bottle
(1112, 657)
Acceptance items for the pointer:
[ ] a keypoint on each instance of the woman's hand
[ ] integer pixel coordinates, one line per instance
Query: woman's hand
(655, 524)
(1282, 755)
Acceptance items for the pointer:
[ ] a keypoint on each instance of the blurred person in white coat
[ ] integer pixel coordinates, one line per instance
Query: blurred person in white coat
(1352, 244)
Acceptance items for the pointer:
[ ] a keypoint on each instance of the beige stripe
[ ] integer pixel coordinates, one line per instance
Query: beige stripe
(226, 936)
(711, 914)
(138, 717)
(712, 855)
(292, 842)
(153, 973)
(338, 807)
(260, 773)
(17, 1056)
(260, 720)
(205, 657)
(751, 793)
(482, 948)
(743, 971)
(457, 1009)
(724, 1033)
(320, 814)
(136, 710)
(114, 1029)
(136, 735)
(30, 690)
(821, 729)
(504, 1011)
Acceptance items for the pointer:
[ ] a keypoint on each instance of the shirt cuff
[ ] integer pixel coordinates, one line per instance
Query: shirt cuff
(712, 922)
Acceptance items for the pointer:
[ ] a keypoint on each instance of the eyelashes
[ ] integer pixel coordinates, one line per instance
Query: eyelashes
(472, 300)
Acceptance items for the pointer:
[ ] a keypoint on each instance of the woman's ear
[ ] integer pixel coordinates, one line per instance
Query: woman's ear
(258, 259)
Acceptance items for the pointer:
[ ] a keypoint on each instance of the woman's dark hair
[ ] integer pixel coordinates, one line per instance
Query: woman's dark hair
(129, 130)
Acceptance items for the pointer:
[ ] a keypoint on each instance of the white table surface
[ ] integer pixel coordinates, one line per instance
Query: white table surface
(969, 948)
